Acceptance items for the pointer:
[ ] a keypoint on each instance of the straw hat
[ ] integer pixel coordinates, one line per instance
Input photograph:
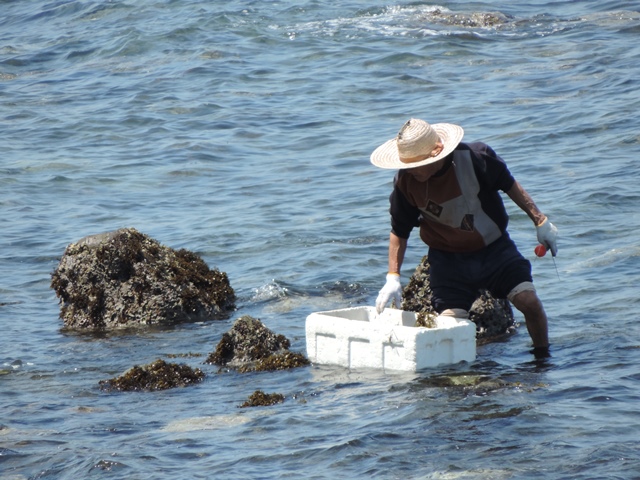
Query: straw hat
(415, 145)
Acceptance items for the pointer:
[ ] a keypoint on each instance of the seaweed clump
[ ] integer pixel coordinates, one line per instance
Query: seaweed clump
(493, 317)
(125, 278)
(158, 375)
(261, 399)
(278, 361)
(250, 346)
(426, 319)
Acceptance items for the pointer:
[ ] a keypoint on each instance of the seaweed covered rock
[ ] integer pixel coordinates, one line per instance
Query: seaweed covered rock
(158, 375)
(261, 399)
(250, 346)
(124, 278)
(280, 361)
(493, 317)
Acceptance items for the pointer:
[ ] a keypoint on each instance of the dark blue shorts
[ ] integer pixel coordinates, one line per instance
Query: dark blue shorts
(457, 278)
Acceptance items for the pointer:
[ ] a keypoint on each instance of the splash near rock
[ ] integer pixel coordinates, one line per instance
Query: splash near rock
(158, 375)
(250, 346)
(125, 279)
(493, 317)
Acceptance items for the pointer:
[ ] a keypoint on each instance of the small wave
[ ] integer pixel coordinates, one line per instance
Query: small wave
(430, 20)
(281, 297)
(469, 474)
(270, 291)
(215, 422)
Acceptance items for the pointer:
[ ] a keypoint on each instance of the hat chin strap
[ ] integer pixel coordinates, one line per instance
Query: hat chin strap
(434, 153)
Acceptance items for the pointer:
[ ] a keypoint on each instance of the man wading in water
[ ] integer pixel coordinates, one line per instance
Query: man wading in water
(451, 191)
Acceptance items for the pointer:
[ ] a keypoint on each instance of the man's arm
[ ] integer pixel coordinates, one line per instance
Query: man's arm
(523, 200)
(397, 249)
(392, 290)
(546, 232)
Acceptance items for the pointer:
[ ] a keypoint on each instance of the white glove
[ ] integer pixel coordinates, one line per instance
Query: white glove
(548, 235)
(391, 290)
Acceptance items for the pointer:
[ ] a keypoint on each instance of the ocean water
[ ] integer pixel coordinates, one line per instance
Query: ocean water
(241, 130)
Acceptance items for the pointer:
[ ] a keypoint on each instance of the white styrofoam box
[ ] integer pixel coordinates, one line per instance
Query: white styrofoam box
(361, 338)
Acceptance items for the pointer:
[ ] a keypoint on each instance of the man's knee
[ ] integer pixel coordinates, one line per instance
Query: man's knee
(526, 299)
(455, 312)
(524, 287)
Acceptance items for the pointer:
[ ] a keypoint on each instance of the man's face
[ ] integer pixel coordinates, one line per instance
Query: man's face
(424, 173)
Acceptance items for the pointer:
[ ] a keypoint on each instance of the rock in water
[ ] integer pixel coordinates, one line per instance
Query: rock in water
(493, 317)
(261, 399)
(250, 346)
(158, 375)
(470, 20)
(126, 279)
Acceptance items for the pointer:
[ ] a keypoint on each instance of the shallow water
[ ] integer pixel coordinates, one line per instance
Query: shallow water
(241, 131)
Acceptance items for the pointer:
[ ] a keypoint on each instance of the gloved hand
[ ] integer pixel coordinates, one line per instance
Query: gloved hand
(391, 290)
(547, 235)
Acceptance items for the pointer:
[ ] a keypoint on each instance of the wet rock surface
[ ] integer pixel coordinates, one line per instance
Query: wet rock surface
(474, 384)
(158, 375)
(493, 317)
(126, 279)
(250, 346)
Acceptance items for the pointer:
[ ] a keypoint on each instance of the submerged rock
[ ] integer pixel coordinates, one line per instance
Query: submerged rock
(261, 399)
(125, 278)
(158, 375)
(250, 346)
(493, 317)
(470, 20)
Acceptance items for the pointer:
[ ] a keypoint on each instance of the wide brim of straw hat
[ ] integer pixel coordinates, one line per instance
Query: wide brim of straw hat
(386, 155)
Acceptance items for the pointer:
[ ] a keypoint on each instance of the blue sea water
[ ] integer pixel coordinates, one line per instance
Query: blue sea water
(241, 130)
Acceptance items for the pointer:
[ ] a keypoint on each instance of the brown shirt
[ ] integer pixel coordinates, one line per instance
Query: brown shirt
(459, 209)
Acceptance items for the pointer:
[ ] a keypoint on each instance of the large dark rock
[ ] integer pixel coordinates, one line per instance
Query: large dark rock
(493, 317)
(250, 346)
(126, 279)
